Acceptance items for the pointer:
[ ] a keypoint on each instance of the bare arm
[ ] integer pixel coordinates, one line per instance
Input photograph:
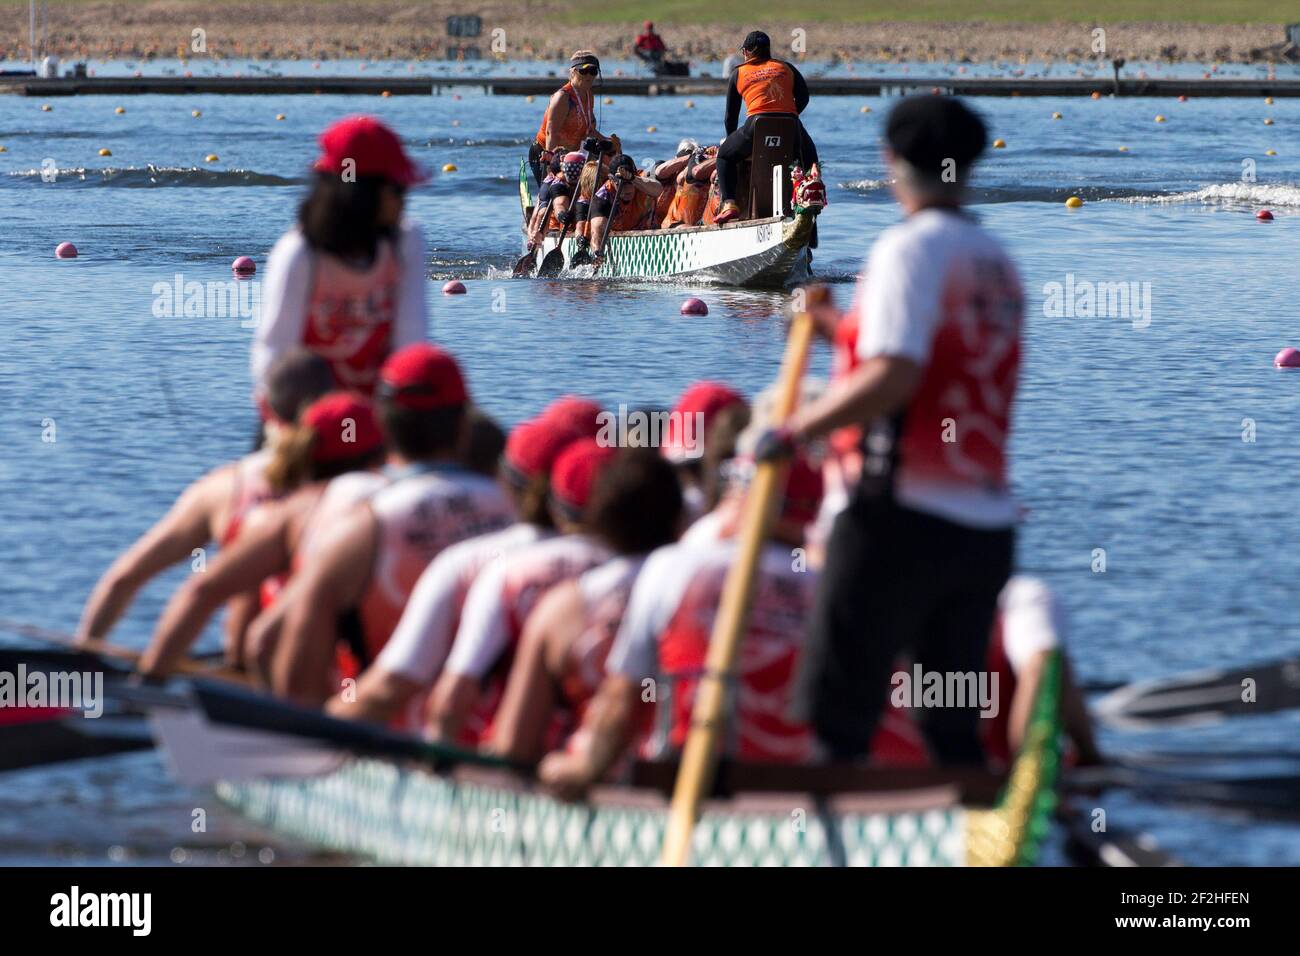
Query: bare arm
(611, 725)
(188, 525)
(671, 168)
(260, 551)
(519, 730)
(879, 386)
(330, 583)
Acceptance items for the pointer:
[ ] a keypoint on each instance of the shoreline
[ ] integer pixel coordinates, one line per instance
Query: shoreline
(388, 30)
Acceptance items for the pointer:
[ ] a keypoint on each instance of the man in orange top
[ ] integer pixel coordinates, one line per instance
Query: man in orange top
(764, 85)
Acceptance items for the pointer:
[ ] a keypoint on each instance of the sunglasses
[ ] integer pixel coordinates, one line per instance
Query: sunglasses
(587, 69)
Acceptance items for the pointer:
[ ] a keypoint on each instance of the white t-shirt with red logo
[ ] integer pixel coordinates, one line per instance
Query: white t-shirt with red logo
(940, 290)
(423, 637)
(505, 593)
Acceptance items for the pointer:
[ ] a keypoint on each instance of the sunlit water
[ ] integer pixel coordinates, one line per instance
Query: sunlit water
(1129, 431)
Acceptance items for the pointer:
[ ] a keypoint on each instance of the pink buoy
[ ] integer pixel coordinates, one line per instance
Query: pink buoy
(694, 306)
(65, 250)
(454, 287)
(243, 266)
(1287, 358)
(1264, 216)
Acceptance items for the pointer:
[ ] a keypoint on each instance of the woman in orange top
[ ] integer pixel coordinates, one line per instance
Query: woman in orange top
(692, 194)
(764, 85)
(570, 116)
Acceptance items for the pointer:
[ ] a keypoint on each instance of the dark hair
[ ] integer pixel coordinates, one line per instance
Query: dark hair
(636, 502)
(483, 442)
(757, 42)
(531, 496)
(928, 131)
(719, 447)
(422, 433)
(342, 218)
(624, 162)
(295, 380)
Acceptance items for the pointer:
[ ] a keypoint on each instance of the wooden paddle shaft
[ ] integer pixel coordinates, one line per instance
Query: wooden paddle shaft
(699, 756)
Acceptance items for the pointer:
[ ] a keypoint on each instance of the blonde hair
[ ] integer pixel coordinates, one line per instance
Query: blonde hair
(290, 466)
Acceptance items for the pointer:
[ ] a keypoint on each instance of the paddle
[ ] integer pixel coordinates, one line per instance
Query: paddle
(1203, 697)
(700, 754)
(553, 262)
(1273, 797)
(583, 256)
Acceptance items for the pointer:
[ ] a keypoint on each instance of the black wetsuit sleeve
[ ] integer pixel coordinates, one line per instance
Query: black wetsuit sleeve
(733, 104)
(800, 89)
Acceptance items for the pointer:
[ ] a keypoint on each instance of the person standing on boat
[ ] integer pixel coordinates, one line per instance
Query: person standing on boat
(570, 116)
(348, 282)
(763, 86)
(211, 509)
(916, 560)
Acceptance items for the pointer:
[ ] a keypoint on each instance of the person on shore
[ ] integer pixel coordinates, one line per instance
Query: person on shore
(570, 117)
(338, 434)
(411, 661)
(916, 560)
(356, 583)
(212, 508)
(649, 46)
(505, 592)
(561, 658)
(663, 640)
(764, 86)
(635, 193)
(348, 281)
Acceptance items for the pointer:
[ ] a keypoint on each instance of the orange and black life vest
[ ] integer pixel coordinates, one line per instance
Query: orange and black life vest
(766, 87)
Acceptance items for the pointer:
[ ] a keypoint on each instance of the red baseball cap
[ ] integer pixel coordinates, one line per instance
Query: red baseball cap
(371, 146)
(803, 492)
(578, 415)
(576, 470)
(534, 446)
(702, 398)
(345, 426)
(423, 377)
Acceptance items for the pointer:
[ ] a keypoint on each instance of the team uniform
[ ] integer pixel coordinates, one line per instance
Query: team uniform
(250, 489)
(763, 87)
(353, 316)
(579, 124)
(635, 208)
(918, 556)
(498, 605)
(605, 591)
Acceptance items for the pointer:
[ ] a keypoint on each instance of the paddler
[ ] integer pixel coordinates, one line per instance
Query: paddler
(555, 200)
(338, 434)
(411, 661)
(692, 195)
(570, 116)
(348, 282)
(764, 86)
(213, 507)
(636, 195)
(356, 583)
(916, 560)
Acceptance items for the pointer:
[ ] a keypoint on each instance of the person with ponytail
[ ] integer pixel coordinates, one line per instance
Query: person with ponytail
(338, 434)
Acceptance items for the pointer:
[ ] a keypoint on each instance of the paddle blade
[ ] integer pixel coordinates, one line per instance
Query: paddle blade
(1203, 697)
(553, 264)
(526, 264)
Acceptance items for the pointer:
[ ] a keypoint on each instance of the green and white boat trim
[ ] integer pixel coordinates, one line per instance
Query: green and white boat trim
(403, 813)
(767, 253)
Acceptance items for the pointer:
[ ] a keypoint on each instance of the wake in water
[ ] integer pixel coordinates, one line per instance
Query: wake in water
(1231, 194)
(878, 189)
(144, 177)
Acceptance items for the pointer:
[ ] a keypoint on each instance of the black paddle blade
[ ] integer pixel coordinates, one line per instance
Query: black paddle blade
(524, 267)
(580, 258)
(552, 264)
(1203, 697)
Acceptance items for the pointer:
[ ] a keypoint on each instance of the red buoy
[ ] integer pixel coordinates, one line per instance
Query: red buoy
(1287, 358)
(243, 266)
(694, 306)
(1264, 216)
(454, 287)
(65, 250)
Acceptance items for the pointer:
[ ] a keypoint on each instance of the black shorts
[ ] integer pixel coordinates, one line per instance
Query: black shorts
(900, 581)
(601, 207)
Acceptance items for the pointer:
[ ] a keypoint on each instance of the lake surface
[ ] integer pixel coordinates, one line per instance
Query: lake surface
(1129, 429)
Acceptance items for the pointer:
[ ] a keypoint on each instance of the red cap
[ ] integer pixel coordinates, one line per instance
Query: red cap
(649, 25)
(702, 398)
(803, 492)
(423, 377)
(576, 470)
(578, 415)
(345, 425)
(534, 446)
(372, 146)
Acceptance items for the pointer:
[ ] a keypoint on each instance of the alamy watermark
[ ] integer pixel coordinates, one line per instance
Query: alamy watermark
(956, 689)
(233, 299)
(682, 432)
(73, 690)
(1084, 299)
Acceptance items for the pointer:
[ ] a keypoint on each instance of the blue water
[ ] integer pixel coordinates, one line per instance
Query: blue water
(1128, 439)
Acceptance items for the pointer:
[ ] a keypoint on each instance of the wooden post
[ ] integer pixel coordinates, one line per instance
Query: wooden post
(699, 756)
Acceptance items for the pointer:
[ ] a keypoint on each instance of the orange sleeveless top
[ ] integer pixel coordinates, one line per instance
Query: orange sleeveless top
(766, 87)
(577, 126)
